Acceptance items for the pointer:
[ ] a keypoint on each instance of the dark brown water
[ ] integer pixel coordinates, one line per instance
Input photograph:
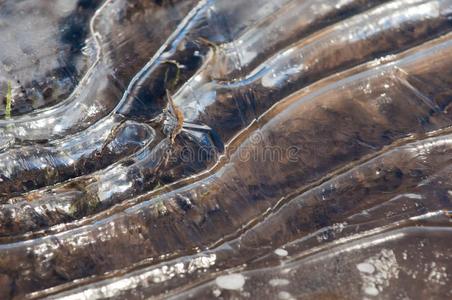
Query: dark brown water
(286, 149)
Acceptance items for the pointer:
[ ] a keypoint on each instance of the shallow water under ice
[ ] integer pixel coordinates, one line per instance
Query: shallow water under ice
(284, 149)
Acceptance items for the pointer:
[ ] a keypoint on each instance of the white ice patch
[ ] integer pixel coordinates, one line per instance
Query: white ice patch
(366, 268)
(377, 271)
(285, 296)
(281, 252)
(231, 281)
(278, 282)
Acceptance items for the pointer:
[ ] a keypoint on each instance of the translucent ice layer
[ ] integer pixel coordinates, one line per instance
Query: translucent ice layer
(235, 149)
